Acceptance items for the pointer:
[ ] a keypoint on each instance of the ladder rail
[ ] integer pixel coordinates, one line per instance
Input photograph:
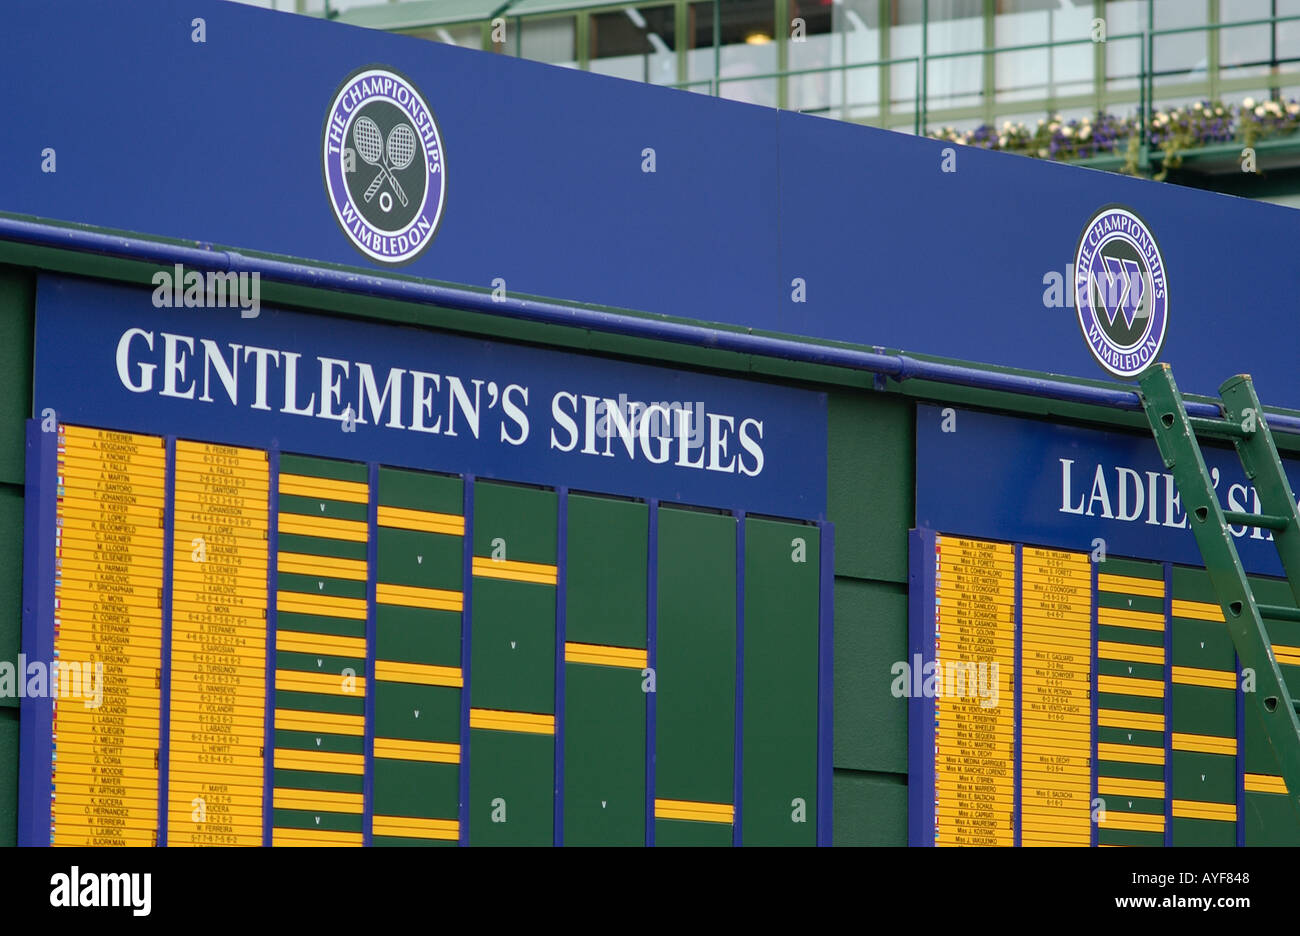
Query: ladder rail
(1181, 452)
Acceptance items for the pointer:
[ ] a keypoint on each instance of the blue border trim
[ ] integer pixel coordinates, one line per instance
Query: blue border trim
(1017, 721)
(652, 658)
(826, 691)
(1169, 703)
(738, 754)
(1241, 754)
(272, 561)
(920, 710)
(372, 634)
(36, 716)
(165, 658)
(1093, 705)
(466, 616)
(561, 611)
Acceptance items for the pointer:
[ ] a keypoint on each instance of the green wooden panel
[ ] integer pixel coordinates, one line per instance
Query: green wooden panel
(324, 468)
(417, 635)
(320, 585)
(606, 571)
(513, 648)
(696, 664)
(320, 702)
(320, 546)
(681, 832)
(1204, 832)
(1203, 710)
(1204, 778)
(322, 507)
(421, 490)
(319, 741)
(397, 705)
(870, 809)
(514, 772)
(320, 663)
(782, 577)
(319, 624)
(11, 586)
(604, 756)
(1130, 837)
(1203, 644)
(392, 841)
(870, 636)
(412, 788)
(316, 780)
(1270, 820)
(17, 302)
(871, 483)
(9, 776)
(421, 560)
(311, 819)
(523, 518)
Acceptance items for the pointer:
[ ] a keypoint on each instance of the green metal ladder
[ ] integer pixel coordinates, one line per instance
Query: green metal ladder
(1243, 424)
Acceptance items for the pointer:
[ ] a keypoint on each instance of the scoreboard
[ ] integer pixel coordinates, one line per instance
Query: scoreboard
(1071, 680)
(290, 646)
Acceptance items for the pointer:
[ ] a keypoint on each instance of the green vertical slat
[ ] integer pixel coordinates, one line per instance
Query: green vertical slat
(605, 708)
(696, 668)
(1124, 805)
(512, 774)
(780, 696)
(412, 711)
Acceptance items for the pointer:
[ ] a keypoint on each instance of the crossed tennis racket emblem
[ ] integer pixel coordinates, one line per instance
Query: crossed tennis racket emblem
(400, 149)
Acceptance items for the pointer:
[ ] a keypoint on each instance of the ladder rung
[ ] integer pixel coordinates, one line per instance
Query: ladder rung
(1217, 428)
(1267, 521)
(1279, 612)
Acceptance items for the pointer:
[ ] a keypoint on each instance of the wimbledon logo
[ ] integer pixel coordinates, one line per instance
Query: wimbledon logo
(1120, 291)
(385, 170)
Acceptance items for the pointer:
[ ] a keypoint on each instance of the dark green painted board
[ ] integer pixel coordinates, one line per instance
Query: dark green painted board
(11, 585)
(319, 585)
(513, 648)
(319, 741)
(604, 756)
(392, 841)
(522, 518)
(870, 722)
(421, 490)
(396, 705)
(320, 702)
(681, 832)
(421, 560)
(1204, 832)
(417, 635)
(696, 664)
(323, 468)
(322, 507)
(1204, 778)
(414, 788)
(17, 303)
(779, 777)
(311, 819)
(515, 772)
(606, 571)
(285, 779)
(9, 776)
(321, 546)
(870, 809)
(319, 624)
(1203, 710)
(871, 483)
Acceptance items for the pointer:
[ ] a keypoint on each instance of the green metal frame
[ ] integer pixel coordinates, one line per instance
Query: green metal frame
(1244, 425)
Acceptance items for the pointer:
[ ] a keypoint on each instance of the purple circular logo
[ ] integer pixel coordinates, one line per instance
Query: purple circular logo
(385, 170)
(1121, 292)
